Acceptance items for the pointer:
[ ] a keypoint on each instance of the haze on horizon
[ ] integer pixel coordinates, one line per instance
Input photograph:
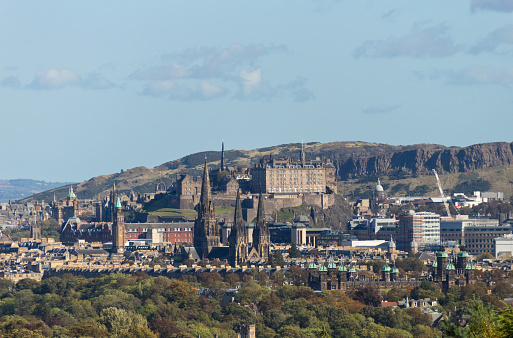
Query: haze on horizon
(91, 88)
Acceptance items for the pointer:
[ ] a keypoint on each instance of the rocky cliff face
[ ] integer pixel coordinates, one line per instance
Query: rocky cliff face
(421, 161)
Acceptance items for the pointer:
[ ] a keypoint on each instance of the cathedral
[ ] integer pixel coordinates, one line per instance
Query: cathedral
(206, 228)
(241, 248)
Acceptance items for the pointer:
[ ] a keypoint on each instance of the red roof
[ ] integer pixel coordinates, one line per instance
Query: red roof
(385, 304)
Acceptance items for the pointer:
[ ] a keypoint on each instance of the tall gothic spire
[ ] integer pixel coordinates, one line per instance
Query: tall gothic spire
(238, 211)
(222, 156)
(206, 193)
(260, 211)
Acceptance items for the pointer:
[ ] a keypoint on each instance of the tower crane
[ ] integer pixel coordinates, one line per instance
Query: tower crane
(442, 194)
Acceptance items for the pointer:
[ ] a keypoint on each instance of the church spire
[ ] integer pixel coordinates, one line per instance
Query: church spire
(238, 211)
(260, 211)
(222, 156)
(206, 192)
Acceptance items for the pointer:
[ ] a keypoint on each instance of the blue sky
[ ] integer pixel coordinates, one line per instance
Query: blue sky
(89, 88)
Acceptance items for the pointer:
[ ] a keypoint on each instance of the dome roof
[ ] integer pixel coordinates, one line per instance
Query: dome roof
(322, 268)
(470, 266)
(450, 266)
(442, 254)
(342, 268)
(332, 265)
(435, 264)
(391, 244)
(386, 267)
(414, 244)
(462, 254)
(71, 194)
(394, 270)
(379, 187)
(351, 269)
(312, 266)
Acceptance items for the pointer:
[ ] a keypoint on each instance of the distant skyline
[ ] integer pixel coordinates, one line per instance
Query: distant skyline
(90, 88)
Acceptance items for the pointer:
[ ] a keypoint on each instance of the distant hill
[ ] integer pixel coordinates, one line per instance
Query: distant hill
(357, 163)
(23, 188)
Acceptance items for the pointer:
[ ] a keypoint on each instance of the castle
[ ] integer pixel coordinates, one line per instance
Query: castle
(285, 183)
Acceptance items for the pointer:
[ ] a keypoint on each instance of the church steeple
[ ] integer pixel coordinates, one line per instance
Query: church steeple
(222, 156)
(238, 239)
(206, 194)
(261, 236)
(206, 231)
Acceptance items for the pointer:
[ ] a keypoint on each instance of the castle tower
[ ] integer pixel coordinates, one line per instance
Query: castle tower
(206, 232)
(118, 229)
(442, 259)
(261, 236)
(385, 272)
(238, 239)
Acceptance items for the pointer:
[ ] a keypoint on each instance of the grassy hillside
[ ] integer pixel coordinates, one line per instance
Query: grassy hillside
(494, 179)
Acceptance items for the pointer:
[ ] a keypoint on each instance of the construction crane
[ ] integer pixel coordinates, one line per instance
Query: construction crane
(442, 194)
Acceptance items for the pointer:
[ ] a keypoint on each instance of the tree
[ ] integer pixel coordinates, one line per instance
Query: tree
(294, 251)
(503, 289)
(276, 258)
(251, 292)
(484, 255)
(297, 275)
(368, 295)
(232, 279)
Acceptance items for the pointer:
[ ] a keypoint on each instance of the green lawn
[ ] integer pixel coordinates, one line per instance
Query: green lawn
(186, 213)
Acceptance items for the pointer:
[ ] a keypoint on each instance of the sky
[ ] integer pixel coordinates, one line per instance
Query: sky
(89, 88)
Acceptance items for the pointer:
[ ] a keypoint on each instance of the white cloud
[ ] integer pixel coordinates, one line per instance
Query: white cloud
(381, 109)
(159, 88)
(96, 81)
(209, 90)
(250, 80)
(478, 75)
(203, 73)
(492, 5)
(11, 81)
(170, 89)
(54, 78)
(59, 78)
(501, 36)
(422, 41)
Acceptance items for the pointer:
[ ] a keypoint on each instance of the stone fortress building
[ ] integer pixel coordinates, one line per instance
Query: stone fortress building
(284, 182)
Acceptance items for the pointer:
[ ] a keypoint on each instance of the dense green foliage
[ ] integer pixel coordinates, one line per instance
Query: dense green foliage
(280, 305)
(49, 229)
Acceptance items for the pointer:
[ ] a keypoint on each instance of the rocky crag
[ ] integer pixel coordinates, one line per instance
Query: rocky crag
(421, 161)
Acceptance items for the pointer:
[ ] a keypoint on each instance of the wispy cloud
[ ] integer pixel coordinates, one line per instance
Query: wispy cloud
(11, 82)
(168, 88)
(421, 41)
(381, 109)
(497, 38)
(54, 78)
(492, 5)
(60, 78)
(206, 73)
(477, 75)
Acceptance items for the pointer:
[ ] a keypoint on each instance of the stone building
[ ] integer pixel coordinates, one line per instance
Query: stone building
(284, 176)
(238, 239)
(69, 208)
(118, 229)
(206, 228)
(447, 271)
